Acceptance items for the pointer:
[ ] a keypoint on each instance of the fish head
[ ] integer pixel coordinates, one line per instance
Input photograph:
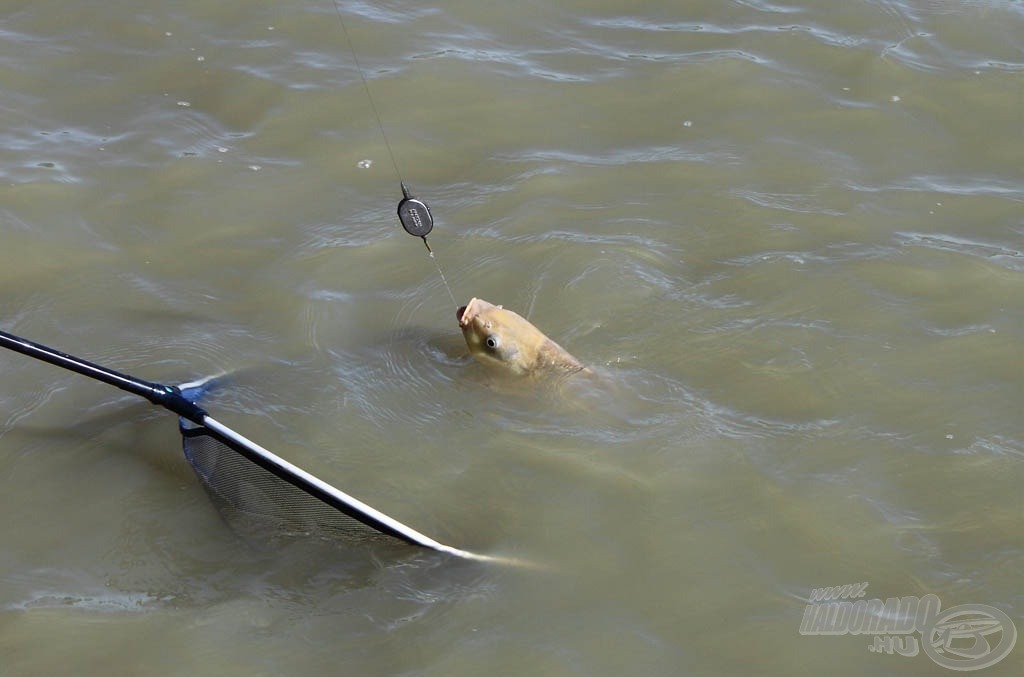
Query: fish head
(495, 335)
(502, 337)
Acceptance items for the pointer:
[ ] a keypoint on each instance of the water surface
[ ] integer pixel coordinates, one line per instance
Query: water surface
(789, 236)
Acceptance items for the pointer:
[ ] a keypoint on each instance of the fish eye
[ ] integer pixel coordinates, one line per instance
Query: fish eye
(492, 341)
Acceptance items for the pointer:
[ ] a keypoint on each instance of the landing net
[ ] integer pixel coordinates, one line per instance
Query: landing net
(254, 497)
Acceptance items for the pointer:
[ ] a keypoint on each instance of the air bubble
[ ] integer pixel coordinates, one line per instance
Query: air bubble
(364, 164)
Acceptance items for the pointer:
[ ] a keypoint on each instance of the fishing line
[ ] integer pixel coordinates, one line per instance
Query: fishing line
(413, 213)
(366, 87)
(441, 273)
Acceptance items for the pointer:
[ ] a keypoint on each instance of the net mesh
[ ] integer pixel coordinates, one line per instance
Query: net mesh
(256, 500)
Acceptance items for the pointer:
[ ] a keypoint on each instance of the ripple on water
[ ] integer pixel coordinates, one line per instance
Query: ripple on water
(1007, 257)
(77, 148)
(376, 11)
(402, 373)
(795, 202)
(617, 156)
(81, 594)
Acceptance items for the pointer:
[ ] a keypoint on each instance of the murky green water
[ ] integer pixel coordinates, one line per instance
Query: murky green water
(788, 236)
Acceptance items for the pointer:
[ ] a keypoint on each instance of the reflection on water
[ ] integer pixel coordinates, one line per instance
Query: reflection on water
(786, 239)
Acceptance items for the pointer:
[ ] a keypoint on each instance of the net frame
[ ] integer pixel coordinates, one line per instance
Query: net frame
(330, 495)
(255, 496)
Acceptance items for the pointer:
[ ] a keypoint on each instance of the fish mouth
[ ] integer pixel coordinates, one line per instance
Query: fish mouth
(466, 313)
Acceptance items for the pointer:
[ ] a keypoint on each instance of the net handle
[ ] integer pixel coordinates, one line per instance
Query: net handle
(168, 397)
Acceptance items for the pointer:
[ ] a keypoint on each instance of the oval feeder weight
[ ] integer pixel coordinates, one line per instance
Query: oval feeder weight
(415, 216)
